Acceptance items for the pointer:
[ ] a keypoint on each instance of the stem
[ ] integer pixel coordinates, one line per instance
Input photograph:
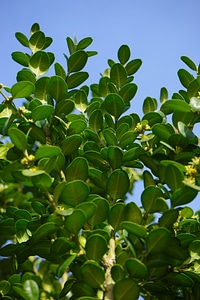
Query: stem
(109, 260)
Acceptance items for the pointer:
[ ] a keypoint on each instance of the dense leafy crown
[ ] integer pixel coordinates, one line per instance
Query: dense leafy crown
(69, 158)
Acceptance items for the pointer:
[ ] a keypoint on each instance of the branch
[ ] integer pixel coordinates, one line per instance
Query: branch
(109, 260)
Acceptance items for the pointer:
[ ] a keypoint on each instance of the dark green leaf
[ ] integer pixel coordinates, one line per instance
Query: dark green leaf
(110, 137)
(84, 43)
(183, 196)
(93, 274)
(117, 272)
(118, 184)
(116, 215)
(77, 61)
(163, 95)
(149, 104)
(75, 221)
(169, 218)
(64, 107)
(135, 229)
(57, 88)
(185, 77)
(128, 91)
(43, 231)
(126, 289)
(35, 27)
(118, 75)
(137, 268)
(149, 198)
(22, 39)
(158, 240)
(96, 120)
(98, 178)
(18, 138)
(42, 112)
(133, 66)
(59, 70)
(75, 192)
(71, 45)
(114, 105)
(26, 75)
(71, 144)
(21, 58)
(189, 63)
(77, 170)
(124, 54)
(96, 246)
(114, 157)
(76, 79)
(102, 211)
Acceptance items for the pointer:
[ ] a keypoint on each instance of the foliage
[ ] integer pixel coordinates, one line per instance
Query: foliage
(69, 158)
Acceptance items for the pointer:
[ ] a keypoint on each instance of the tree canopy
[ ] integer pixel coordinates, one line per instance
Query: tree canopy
(69, 158)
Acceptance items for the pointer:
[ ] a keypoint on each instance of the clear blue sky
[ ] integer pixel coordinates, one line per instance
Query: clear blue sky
(157, 31)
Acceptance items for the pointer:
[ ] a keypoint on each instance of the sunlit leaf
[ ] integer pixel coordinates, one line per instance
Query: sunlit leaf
(39, 63)
(118, 75)
(18, 138)
(42, 112)
(37, 41)
(124, 54)
(21, 58)
(22, 89)
(77, 61)
(57, 88)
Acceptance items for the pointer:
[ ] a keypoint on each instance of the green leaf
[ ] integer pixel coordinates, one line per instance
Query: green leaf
(195, 104)
(64, 265)
(18, 138)
(84, 43)
(118, 75)
(137, 268)
(133, 213)
(110, 137)
(22, 39)
(118, 184)
(42, 181)
(149, 104)
(77, 126)
(194, 249)
(75, 192)
(127, 138)
(153, 118)
(35, 27)
(39, 63)
(158, 240)
(163, 131)
(150, 197)
(189, 63)
(185, 77)
(135, 229)
(168, 218)
(183, 196)
(81, 101)
(71, 45)
(77, 61)
(76, 79)
(126, 289)
(42, 112)
(75, 221)
(43, 231)
(102, 211)
(128, 91)
(174, 177)
(37, 41)
(21, 58)
(47, 151)
(93, 274)
(176, 105)
(88, 208)
(77, 170)
(117, 272)
(96, 246)
(114, 157)
(116, 215)
(71, 144)
(64, 107)
(124, 54)
(179, 279)
(98, 178)
(163, 95)
(114, 105)
(31, 289)
(26, 75)
(133, 66)
(41, 86)
(5, 287)
(96, 120)
(57, 88)
(59, 70)
(22, 89)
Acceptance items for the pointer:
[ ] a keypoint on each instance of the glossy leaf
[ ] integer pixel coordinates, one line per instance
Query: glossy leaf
(116, 215)
(189, 63)
(57, 88)
(59, 70)
(43, 231)
(26, 75)
(102, 211)
(93, 274)
(179, 279)
(77, 170)
(136, 268)
(158, 240)
(76, 79)
(133, 213)
(114, 105)
(41, 86)
(42, 112)
(21, 58)
(89, 208)
(114, 157)
(124, 54)
(174, 177)
(185, 77)
(47, 151)
(169, 218)
(22, 89)
(117, 272)
(98, 177)
(18, 138)
(96, 120)
(149, 198)
(96, 246)
(127, 138)
(135, 229)
(22, 39)
(128, 91)
(71, 144)
(149, 104)
(39, 63)
(110, 137)
(75, 192)
(64, 107)
(75, 221)
(126, 289)
(118, 184)
(183, 196)
(37, 41)
(118, 75)
(133, 66)
(77, 61)
(81, 100)
(163, 95)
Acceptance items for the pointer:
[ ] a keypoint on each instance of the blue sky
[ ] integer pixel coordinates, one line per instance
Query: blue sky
(157, 31)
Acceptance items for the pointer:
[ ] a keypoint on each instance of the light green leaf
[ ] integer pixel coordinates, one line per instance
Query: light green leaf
(42, 112)
(37, 41)
(126, 289)
(39, 63)
(135, 229)
(18, 138)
